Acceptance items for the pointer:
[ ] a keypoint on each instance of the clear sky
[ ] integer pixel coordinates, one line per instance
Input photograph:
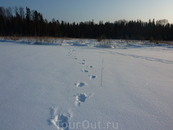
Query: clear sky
(106, 10)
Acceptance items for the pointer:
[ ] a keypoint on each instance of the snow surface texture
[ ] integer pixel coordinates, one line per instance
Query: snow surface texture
(48, 87)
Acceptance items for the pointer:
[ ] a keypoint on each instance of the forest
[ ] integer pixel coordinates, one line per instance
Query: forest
(19, 21)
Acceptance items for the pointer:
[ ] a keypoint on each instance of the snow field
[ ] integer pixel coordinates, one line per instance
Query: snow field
(59, 87)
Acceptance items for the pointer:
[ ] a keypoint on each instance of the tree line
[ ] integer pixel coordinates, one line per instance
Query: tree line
(19, 21)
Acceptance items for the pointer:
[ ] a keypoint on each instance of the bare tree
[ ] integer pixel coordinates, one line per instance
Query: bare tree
(162, 22)
(21, 12)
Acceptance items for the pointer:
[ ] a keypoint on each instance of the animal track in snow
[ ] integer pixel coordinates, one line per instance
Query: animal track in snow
(83, 63)
(70, 52)
(92, 76)
(75, 57)
(80, 98)
(80, 84)
(91, 66)
(60, 121)
(84, 70)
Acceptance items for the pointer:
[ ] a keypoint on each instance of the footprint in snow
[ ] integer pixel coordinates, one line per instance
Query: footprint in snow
(60, 121)
(84, 70)
(91, 66)
(92, 76)
(80, 99)
(80, 84)
(83, 63)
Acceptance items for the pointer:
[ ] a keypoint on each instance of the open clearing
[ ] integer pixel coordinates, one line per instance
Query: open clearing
(60, 86)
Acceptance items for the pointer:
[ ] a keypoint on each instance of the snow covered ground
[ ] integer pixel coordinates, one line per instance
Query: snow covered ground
(60, 86)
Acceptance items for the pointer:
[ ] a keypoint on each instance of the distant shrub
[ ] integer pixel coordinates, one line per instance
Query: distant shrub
(99, 39)
(151, 39)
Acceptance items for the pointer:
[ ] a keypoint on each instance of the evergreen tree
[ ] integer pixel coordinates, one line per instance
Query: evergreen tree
(28, 21)
(15, 21)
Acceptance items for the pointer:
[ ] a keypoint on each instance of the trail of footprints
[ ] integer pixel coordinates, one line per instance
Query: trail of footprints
(82, 97)
(61, 121)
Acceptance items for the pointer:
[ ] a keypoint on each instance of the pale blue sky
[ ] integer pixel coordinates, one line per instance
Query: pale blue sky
(106, 10)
